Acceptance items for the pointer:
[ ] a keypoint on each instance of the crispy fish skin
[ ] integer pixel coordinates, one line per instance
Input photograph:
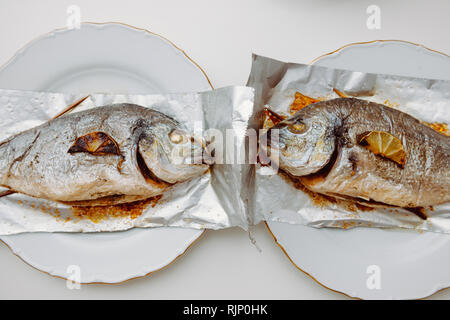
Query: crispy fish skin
(49, 161)
(328, 159)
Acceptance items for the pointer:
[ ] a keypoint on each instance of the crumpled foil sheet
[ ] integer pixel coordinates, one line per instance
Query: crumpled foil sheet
(210, 201)
(274, 197)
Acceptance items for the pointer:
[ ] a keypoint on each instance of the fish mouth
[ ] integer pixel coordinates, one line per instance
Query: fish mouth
(205, 157)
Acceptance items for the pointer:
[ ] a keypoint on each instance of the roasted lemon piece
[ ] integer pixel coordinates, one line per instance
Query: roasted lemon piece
(386, 145)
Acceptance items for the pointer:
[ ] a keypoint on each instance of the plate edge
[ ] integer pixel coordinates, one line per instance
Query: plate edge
(101, 24)
(435, 291)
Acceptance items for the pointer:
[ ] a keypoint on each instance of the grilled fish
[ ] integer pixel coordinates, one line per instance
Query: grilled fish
(102, 156)
(321, 146)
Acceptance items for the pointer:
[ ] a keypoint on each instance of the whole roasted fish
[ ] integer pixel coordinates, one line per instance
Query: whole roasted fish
(102, 156)
(322, 145)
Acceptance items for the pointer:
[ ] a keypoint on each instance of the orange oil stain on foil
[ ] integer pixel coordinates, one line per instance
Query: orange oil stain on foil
(43, 207)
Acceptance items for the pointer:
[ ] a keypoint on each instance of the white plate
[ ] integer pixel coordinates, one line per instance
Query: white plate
(103, 58)
(410, 264)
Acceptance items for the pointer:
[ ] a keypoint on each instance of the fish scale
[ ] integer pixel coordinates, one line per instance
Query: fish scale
(98, 157)
(339, 166)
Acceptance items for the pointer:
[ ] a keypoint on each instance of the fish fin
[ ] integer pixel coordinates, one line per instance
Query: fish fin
(340, 94)
(96, 143)
(6, 193)
(106, 201)
(71, 107)
(418, 211)
(439, 127)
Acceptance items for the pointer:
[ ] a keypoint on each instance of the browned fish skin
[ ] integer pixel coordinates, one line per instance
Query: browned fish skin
(102, 156)
(353, 171)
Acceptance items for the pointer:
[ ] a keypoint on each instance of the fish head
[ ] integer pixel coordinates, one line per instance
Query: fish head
(301, 144)
(170, 153)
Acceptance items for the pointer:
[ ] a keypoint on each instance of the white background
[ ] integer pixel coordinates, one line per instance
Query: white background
(220, 36)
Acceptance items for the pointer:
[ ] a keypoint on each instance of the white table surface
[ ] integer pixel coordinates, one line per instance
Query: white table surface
(220, 36)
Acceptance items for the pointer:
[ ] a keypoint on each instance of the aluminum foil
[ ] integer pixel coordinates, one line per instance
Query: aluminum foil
(210, 201)
(273, 197)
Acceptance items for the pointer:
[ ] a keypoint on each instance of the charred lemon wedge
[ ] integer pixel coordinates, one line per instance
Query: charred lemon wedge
(95, 143)
(385, 145)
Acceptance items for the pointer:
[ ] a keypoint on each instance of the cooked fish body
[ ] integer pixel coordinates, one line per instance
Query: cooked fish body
(106, 155)
(320, 144)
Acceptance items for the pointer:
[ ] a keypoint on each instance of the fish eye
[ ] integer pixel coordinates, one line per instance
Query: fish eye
(177, 137)
(296, 128)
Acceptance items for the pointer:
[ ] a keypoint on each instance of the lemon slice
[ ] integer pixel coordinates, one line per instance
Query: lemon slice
(386, 145)
(96, 143)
